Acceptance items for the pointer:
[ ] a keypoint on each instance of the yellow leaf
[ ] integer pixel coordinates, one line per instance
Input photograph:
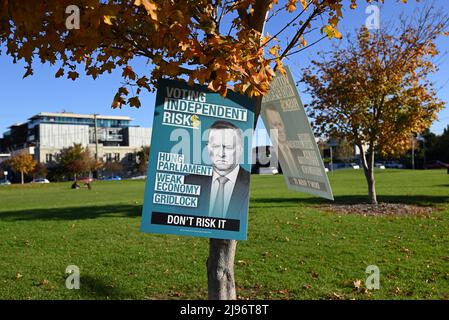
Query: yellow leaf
(332, 32)
(150, 6)
(108, 19)
(291, 7)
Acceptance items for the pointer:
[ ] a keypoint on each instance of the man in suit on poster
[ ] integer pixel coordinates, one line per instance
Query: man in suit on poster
(287, 159)
(225, 194)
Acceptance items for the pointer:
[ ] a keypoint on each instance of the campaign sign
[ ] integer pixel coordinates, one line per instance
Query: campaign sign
(200, 163)
(284, 116)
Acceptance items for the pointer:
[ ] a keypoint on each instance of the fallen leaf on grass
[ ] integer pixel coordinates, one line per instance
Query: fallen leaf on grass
(357, 284)
(44, 282)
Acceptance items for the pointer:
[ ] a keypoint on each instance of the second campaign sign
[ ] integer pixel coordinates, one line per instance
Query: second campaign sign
(200, 163)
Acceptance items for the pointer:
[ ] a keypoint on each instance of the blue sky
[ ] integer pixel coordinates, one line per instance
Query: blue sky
(22, 98)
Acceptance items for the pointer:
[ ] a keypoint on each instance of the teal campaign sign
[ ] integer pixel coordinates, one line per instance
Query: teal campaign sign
(292, 137)
(200, 163)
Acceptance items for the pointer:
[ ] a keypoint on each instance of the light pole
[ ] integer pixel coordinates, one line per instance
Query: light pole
(5, 173)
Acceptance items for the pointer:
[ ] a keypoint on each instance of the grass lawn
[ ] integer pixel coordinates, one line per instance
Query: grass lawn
(294, 251)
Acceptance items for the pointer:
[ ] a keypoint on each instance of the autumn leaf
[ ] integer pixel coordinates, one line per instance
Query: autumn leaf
(150, 6)
(357, 284)
(44, 282)
(59, 73)
(134, 102)
(128, 73)
(29, 72)
(273, 50)
(72, 75)
(108, 19)
(332, 32)
(291, 7)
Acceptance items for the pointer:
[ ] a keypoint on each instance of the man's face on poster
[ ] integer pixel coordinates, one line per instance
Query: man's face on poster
(225, 148)
(275, 120)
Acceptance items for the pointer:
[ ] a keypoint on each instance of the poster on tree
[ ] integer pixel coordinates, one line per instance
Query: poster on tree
(284, 116)
(200, 163)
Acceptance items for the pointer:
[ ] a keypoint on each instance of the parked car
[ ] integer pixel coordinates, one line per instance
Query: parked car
(138, 178)
(436, 165)
(393, 165)
(268, 170)
(40, 180)
(355, 166)
(4, 182)
(379, 165)
(112, 178)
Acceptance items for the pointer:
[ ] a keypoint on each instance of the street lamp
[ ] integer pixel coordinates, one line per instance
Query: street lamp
(5, 173)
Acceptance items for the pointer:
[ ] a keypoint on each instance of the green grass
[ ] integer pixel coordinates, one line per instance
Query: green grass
(294, 251)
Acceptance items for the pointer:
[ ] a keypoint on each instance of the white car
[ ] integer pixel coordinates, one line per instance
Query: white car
(40, 180)
(379, 166)
(268, 170)
(355, 166)
(393, 165)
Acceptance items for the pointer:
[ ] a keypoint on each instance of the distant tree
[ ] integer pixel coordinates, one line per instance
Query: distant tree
(441, 149)
(76, 160)
(429, 142)
(142, 158)
(344, 151)
(40, 171)
(22, 162)
(376, 91)
(113, 167)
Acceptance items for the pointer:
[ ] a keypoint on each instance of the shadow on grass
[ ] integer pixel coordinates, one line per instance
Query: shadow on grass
(73, 213)
(96, 288)
(424, 200)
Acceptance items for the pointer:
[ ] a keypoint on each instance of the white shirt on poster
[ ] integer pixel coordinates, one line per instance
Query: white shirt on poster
(228, 188)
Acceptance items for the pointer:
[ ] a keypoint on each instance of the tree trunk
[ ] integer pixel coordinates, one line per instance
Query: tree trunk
(220, 264)
(21, 177)
(368, 169)
(220, 269)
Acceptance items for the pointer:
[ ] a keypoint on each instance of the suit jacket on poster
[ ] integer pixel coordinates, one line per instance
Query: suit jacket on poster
(239, 199)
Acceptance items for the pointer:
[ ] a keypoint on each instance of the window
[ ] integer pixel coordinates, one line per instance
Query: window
(117, 157)
(108, 156)
(48, 157)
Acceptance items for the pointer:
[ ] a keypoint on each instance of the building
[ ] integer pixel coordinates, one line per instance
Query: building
(4, 156)
(45, 134)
